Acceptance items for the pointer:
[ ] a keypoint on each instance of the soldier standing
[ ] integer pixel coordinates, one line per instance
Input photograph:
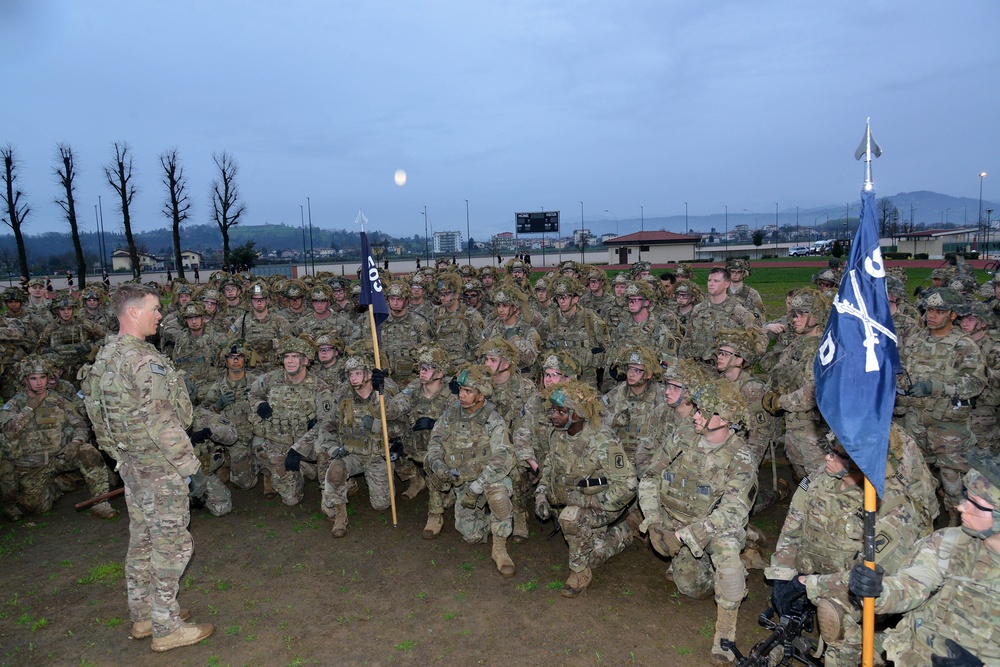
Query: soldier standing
(943, 371)
(402, 333)
(457, 329)
(173, 324)
(259, 328)
(588, 478)
(793, 384)
(975, 320)
(140, 410)
(739, 270)
(470, 455)
(580, 331)
(323, 319)
(509, 324)
(44, 438)
(718, 311)
(196, 348)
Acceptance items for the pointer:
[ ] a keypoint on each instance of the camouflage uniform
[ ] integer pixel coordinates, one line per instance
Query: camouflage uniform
(590, 480)
(337, 322)
(823, 534)
(469, 453)
(102, 315)
(657, 330)
(746, 295)
(210, 435)
(231, 400)
(631, 416)
(522, 335)
(954, 369)
(706, 319)
(583, 334)
(295, 409)
(42, 440)
(983, 420)
(140, 410)
(260, 334)
(172, 324)
(401, 336)
(793, 380)
(75, 342)
(460, 331)
(702, 497)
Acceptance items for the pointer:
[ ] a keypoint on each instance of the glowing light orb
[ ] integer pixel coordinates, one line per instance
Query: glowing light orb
(400, 177)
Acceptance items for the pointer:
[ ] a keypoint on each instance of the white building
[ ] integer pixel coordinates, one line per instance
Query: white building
(447, 243)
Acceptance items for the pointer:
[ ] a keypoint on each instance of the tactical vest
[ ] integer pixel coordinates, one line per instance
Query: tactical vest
(631, 414)
(402, 338)
(965, 609)
(293, 406)
(42, 437)
(421, 406)
(929, 358)
(695, 482)
(467, 443)
(452, 333)
(566, 463)
(789, 374)
(116, 412)
(260, 335)
(354, 436)
(576, 335)
(833, 529)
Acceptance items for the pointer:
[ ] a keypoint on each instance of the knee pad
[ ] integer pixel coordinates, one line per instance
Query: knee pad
(569, 520)
(731, 582)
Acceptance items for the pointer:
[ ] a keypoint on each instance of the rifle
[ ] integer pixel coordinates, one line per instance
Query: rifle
(786, 632)
(99, 499)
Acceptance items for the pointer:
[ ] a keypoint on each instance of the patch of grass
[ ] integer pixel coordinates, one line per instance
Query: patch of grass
(450, 615)
(468, 567)
(460, 595)
(221, 585)
(528, 586)
(214, 661)
(272, 533)
(707, 628)
(421, 595)
(234, 630)
(112, 622)
(106, 572)
(465, 633)
(66, 563)
(406, 646)
(39, 624)
(554, 585)
(682, 650)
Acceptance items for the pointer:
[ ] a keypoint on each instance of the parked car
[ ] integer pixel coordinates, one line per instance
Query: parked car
(798, 251)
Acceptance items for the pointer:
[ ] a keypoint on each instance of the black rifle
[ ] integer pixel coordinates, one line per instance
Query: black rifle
(786, 632)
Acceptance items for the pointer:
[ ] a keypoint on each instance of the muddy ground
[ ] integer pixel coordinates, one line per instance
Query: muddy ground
(281, 591)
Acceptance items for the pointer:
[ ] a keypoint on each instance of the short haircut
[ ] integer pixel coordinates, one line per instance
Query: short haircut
(723, 270)
(130, 294)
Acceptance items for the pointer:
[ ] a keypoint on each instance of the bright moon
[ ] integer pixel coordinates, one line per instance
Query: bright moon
(400, 177)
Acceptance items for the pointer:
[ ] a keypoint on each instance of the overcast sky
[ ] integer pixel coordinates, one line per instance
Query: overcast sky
(513, 106)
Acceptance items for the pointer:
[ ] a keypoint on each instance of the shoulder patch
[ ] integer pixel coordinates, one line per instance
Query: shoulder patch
(158, 369)
(804, 484)
(6, 406)
(760, 417)
(80, 394)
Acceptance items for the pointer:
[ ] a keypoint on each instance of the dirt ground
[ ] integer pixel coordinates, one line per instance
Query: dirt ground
(281, 591)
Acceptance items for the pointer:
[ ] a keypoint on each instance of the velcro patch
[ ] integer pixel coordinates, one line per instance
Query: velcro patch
(804, 484)
(158, 369)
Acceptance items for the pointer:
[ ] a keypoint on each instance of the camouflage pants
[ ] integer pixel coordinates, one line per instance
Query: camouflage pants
(242, 465)
(718, 569)
(523, 496)
(271, 456)
(474, 524)
(340, 470)
(210, 490)
(944, 444)
(36, 492)
(983, 423)
(590, 539)
(160, 545)
(805, 444)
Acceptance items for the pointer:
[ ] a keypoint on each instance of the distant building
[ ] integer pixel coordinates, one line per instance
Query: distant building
(935, 242)
(120, 261)
(447, 243)
(656, 247)
(503, 242)
(190, 259)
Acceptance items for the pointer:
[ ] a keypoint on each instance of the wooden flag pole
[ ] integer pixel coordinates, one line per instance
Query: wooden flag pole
(868, 608)
(381, 410)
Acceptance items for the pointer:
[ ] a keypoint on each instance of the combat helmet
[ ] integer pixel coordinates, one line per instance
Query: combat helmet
(738, 264)
(641, 266)
(435, 357)
(566, 285)
(397, 288)
(259, 290)
(942, 298)
(296, 344)
(63, 299)
(295, 289)
(448, 281)
(476, 376)
(34, 363)
(815, 302)
(501, 348)
(15, 294)
(333, 340)
(640, 288)
(983, 480)
(723, 399)
(579, 397)
(691, 375)
(561, 361)
(747, 343)
(831, 276)
(236, 346)
(640, 355)
(193, 309)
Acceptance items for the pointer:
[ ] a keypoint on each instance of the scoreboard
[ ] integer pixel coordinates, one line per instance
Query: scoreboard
(537, 223)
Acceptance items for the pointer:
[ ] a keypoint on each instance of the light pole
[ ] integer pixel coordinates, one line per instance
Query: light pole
(583, 237)
(979, 220)
(302, 218)
(685, 218)
(775, 228)
(642, 228)
(989, 212)
(312, 248)
(726, 253)
(616, 220)
(100, 207)
(427, 254)
(468, 231)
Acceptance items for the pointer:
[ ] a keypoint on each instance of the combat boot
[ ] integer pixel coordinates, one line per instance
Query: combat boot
(725, 628)
(144, 629)
(520, 534)
(577, 583)
(186, 635)
(500, 556)
(831, 620)
(104, 511)
(417, 484)
(269, 491)
(339, 521)
(435, 522)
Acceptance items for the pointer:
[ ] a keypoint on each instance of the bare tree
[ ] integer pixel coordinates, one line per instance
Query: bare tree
(226, 205)
(119, 176)
(17, 211)
(888, 217)
(177, 205)
(65, 172)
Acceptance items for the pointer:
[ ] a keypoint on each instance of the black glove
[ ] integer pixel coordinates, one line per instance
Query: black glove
(958, 656)
(292, 460)
(338, 453)
(865, 582)
(83, 349)
(615, 375)
(310, 424)
(378, 380)
(226, 398)
(264, 410)
(921, 389)
(201, 436)
(788, 596)
(424, 424)
(395, 449)
(454, 386)
(596, 350)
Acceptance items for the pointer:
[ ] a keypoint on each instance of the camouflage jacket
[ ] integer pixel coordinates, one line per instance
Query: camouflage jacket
(401, 338)
(955, 366)
(594, 455)
(522, 336)
(793, 377)
(708, 318)
(632, 419)
(459, 333)
(471, 446)
(295, 407)
(261, 336)
(35, 436)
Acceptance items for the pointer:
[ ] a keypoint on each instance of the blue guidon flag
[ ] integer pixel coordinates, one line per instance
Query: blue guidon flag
(857, 362)
(371, 286)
